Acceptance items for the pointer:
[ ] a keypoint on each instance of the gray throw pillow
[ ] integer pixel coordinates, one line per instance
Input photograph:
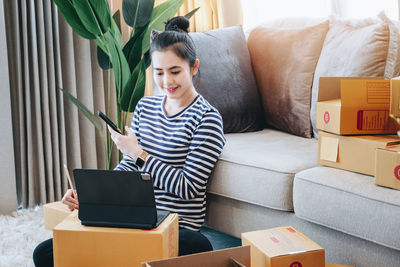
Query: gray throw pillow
(226, 78)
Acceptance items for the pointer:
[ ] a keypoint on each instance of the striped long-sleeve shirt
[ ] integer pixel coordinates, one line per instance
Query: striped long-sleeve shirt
(183, 150)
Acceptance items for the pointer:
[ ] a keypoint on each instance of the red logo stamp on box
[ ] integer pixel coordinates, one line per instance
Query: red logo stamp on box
(327, 117)
(397, 172)
(290, 229)
(296, 264)
(373, 120)
(274, 239)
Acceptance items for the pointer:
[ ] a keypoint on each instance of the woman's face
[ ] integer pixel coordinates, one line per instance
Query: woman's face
(172, 74)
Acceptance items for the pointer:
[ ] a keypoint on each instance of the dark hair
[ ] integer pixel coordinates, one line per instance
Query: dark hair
(175, 37)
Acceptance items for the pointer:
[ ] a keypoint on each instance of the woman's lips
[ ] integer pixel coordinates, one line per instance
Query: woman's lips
(171, 90)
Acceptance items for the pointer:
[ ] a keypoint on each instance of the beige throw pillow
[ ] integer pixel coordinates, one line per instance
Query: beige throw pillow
(351, 48)
(284, 61)
(392, 68)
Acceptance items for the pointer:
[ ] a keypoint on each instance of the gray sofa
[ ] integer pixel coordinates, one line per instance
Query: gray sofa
(270, 178)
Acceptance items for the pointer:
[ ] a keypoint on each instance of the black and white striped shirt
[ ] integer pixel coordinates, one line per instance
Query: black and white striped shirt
(183, 150)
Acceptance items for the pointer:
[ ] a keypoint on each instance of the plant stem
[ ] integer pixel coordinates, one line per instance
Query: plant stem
(119, 121)
(109, 142)
(105, 147)
(124, 119)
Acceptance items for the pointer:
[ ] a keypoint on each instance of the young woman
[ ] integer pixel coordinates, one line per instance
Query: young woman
(177, 138)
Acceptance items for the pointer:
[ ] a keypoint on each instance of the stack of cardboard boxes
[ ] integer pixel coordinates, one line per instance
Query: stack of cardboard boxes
(356, 131)
(78, 245)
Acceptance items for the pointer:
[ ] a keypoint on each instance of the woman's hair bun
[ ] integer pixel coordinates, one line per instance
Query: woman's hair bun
(178, 24)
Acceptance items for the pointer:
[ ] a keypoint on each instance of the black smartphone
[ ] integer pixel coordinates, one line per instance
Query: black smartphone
(108, 121)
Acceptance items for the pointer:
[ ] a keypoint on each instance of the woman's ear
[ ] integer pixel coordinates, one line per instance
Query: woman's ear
(195, 67)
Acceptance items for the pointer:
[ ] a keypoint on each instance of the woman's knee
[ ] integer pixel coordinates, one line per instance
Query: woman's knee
(191, 242)
(43, 254)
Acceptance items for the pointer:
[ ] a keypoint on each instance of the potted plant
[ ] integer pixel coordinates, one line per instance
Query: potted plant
(92, 20)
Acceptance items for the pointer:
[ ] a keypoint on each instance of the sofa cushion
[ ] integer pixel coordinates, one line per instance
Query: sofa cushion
(288, 22)
(351, 48)
(259, 167)
(284, 60)
(393, 58)
(226, 78)
(348, 202)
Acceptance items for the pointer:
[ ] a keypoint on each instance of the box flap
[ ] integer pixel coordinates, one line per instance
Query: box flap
(281, 241)
(329, 87)
(336, 265)
(392, 148)
(235, 263)
(365, 93)
(394, 96)
(382, 140)
(329, 148)
(337, 102)
(217, 258)
(72, 223)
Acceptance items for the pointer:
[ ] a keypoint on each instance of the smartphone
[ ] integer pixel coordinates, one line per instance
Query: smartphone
(108, 121)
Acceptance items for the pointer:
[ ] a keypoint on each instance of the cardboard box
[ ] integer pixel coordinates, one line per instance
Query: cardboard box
(54, 213)
(336, 265)
(78, 245)
(352, 153)
(283, 247)
(387, 165)
(232, 257)
(394, 96)
(350, 106)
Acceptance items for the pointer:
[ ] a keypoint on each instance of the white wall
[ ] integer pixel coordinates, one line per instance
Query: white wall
(8, 195)
(256, 12)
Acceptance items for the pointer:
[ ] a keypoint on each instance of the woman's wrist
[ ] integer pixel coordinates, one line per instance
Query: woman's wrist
(141, 159)
(136, 153)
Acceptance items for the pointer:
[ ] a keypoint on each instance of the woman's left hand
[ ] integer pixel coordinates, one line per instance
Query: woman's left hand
(127, 144)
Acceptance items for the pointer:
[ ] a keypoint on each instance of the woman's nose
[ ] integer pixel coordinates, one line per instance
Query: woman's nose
(167, 80)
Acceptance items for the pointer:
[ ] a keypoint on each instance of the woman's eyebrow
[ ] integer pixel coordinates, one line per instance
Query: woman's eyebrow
(171, 68)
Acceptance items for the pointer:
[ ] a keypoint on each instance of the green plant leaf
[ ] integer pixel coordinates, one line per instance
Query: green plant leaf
(134, 58)
(147, 59)
(102, 13)
(85, 111)
(116, 62)
(134, 89)
(137, 13)
(117, 19)
(120, 65)
(87, 16)
(68, 11)
(103, 59)
(102, 56)
(132, 49)
(161, 14)
(191, 13)
(116, 27)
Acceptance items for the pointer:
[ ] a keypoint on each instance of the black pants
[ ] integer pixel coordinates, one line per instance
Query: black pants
(189, 242)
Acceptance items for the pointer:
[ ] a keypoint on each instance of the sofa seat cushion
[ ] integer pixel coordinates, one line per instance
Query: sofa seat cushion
(348, 202)
(259, 167)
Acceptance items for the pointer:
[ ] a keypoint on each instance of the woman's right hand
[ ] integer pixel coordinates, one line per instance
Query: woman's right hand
(71, 200)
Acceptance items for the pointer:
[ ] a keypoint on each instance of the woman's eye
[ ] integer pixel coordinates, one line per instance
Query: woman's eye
(175, 72)
(159, 73)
